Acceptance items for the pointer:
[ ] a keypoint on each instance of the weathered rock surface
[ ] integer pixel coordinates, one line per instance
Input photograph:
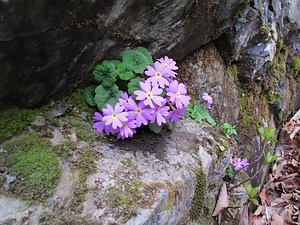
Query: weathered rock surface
(48, 48)
(245, 63)
(155, 188)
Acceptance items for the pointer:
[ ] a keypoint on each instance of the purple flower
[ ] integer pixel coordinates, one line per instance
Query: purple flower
(206, 97)
(157, 75)
(140, 113)
(174, 114)
(127, 129)
(149, 94)
(169, 64)
(177, 93)
(114, 116)
(100, 126)
(240, 164)
(160, 114)
(126, 100)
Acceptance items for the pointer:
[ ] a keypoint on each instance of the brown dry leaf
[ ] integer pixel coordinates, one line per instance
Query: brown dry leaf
(279, 168)
(264, 196)
(222, 202)
(260, 221)
(295, 131)
(287, 212)
(277, 220)
(259, 210)
(243, 215)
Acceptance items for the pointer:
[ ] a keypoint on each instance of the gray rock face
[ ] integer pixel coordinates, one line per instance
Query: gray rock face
(48, 48)
(159, 190)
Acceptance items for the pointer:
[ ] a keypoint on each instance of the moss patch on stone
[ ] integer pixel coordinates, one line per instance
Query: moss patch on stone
(35, 166)
(296, 65)
(198, 203)
(125, 197)
(13, 121)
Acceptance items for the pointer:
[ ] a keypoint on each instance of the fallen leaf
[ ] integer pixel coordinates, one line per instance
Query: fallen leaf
(264, 196)
(277, 220)
(222, 202)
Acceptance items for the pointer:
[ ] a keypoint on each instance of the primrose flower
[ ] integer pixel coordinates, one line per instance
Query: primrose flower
(177, 93)
(160, 114)
(157, 75)
(115, 116)
(174, 114)
(149, 94)
(127, 129)
(240, 164)
(140, 113)
(169, 64)
(100, 126)
(206, 97)
(126, 100)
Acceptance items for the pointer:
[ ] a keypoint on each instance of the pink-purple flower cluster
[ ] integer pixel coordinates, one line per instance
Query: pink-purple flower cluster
(240, 164)
(161, 98)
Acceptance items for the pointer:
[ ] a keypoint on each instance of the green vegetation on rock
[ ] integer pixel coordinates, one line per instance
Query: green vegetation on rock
(198, 203)
(35, 166)
(13, 121)
(296, 65)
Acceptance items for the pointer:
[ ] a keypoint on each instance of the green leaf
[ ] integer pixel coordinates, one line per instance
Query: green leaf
(136, 60)
(270, 158)
(125, 71)
(254, 201)
(197, 116)
(106, 96)
(189, 109)
(133, 85)
(146, 53)
(269, 132)
(266, 133)
(253, 192)
(230, 171)
(89, 95)
(106, 73)
(205, 115)
(155, 127)
(250, 190)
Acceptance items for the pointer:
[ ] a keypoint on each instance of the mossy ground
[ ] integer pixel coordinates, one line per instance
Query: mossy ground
(31, 158)
(14, 120)
(35, 166)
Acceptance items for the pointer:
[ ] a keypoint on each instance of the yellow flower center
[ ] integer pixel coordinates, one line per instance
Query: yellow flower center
(177, 95)
(138, 111)
(149, 95)
(166, 65)
(114, 115)
(158, 74)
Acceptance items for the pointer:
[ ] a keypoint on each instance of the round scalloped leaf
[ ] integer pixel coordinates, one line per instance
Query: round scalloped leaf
(106, 96)
(89, 95)
(146, 53)
(106, 73)
(125, 71)
(155, 127)
(136, 60)
(133, 85)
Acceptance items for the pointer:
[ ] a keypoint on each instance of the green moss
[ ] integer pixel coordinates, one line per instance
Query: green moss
(76, 100)
(198, 203)
(13, 121)
(233, 70)
(296, 65)
(126, 195)
(64, 148)
(35, 165)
